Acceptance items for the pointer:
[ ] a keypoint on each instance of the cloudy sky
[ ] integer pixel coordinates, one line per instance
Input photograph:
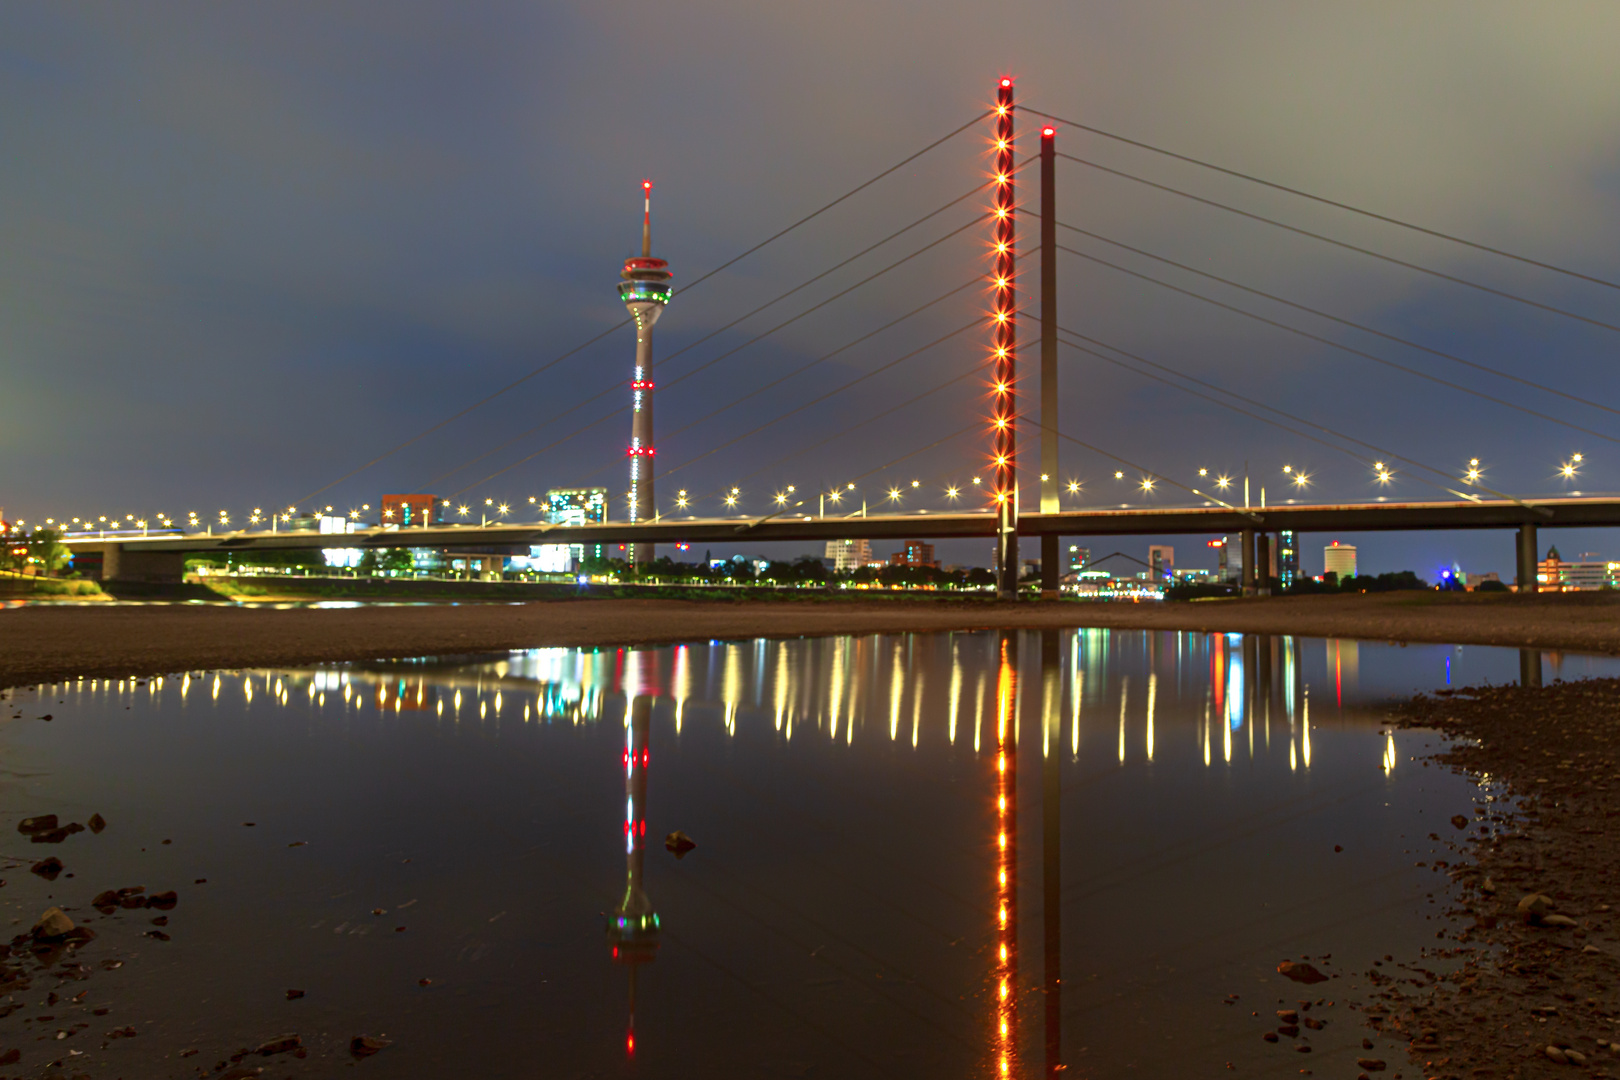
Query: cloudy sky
(246, 249)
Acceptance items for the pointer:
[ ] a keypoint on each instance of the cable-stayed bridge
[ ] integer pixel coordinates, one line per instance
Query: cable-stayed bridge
(1020, 346)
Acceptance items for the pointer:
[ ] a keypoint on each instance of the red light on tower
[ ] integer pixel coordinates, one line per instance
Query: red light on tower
(1048, 132)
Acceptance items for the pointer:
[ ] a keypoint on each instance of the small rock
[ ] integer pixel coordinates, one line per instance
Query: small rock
(1270, 1036)
(1532, 906)
(105, 901)
(1590, 949)
(163, 900)
(1458, 821)
(1303, 1048)
(1556, 1055)
(1290, 1030)
(1366, 1044)
(298, 843)
(161, 920)
(1558, 920)
(126, 1032)
(379, 911)
(47, 868)
(1303, 973)
(1574, 1057)
(424, 982)
(1488, 887)
(11, 1057)
(366, 1045)
(54, 924)
(28, 826)
(1372, 1064)
(1313, 1023)
(279, 1045)
(158, 934)
(1288, 1016)
(679, 844)
(96, 823)
(294, 995)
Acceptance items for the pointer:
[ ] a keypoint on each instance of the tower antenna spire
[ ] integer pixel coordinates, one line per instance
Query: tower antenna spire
(646, 220)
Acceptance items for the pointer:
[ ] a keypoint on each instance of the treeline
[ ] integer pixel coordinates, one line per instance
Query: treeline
(805, 571)
(1330, 583)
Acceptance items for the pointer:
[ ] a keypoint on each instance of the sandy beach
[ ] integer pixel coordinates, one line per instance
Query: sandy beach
(40, 642)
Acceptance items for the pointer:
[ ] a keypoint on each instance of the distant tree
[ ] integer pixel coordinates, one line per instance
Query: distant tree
(1492, 586)
(981, 578)
(46, 550)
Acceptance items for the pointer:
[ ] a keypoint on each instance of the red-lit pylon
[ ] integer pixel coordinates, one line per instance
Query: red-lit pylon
(1004, 347)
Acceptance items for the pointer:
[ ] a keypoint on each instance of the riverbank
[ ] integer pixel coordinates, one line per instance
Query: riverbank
(46, 642)
(1538, 990)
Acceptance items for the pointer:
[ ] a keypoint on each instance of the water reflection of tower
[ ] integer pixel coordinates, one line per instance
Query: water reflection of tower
(633, 931)
(1006, 959)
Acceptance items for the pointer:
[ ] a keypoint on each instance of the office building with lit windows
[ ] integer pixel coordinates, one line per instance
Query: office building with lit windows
(1339, 559)
(1287, 558)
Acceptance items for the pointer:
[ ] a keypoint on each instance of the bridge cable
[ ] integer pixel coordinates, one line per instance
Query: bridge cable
(1326, 201)
(1342, 321)
(1344, 348)
(1347, 246)
(732, 352)
(625, 322)
(978, 321)
(1390, 454)
(839, 266)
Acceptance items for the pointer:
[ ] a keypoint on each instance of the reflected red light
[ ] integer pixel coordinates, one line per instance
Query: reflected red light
(630, 1044)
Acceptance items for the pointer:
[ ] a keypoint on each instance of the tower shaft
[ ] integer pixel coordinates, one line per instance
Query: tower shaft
(1004, 348)
(643, 502)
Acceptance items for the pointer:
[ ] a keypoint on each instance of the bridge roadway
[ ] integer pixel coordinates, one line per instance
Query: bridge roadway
(160, 556)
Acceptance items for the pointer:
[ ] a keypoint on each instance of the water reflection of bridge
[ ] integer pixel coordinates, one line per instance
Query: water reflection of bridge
(970, 693)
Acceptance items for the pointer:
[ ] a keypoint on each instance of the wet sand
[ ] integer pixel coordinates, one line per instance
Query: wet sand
(1534, 996)
(47, 642)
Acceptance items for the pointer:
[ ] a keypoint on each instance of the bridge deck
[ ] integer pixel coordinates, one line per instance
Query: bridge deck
(1130, 521)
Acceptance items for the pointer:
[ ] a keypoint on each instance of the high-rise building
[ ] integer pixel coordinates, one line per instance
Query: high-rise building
(570, 506)
(410, 511)
(847, 556)
(645, 290)
(1230, 558)
(1339, 559)
(1162, 561)
(1287, 558)
(915, 553)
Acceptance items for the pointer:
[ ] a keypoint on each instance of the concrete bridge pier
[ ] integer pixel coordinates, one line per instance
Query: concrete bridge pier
(1247, 557)
(156, 567)
(1262, 564)
(1051, 572)
(1527, 559)
(493, 565)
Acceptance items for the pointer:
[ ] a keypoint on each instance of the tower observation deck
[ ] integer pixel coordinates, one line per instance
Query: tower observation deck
(644, 287)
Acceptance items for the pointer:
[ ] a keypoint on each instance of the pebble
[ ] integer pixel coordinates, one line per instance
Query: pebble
(1556, 1055)
(366, 1045)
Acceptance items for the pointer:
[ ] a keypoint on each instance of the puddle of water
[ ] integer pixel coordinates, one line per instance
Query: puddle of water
(889, 830)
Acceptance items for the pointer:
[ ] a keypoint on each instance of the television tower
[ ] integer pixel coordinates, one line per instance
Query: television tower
(645, 290)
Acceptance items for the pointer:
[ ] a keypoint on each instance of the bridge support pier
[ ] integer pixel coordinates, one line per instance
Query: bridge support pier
(156, 567)
(1527, 549)
(1050, 571)
(1262, 564)
(1247, 557)
(493, 565)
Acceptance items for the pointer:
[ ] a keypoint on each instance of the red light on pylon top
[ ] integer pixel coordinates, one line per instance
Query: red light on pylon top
(1006, 82)
(1048, 132)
